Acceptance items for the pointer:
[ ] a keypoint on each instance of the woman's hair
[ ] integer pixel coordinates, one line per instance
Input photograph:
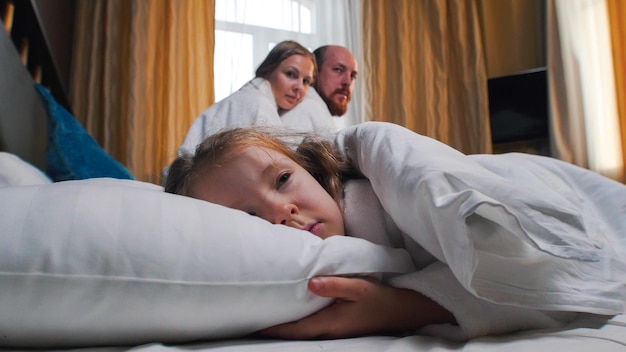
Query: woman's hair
(279, 53)
(316, 155)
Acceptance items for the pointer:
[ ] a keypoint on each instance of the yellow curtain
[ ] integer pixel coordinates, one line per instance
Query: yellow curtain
(424, 68)
(142, 71)
(617, 25)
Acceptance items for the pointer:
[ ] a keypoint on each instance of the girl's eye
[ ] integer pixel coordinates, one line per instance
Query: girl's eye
(291, 74)
(282, 179)
(307, 82)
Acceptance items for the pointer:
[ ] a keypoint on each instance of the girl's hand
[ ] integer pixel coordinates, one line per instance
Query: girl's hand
(362, 307)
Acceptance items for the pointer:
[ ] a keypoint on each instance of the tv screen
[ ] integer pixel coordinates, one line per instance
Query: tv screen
(518, 105)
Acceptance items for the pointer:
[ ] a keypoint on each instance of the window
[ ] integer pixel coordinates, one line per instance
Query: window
(286, 15)
(246, 30)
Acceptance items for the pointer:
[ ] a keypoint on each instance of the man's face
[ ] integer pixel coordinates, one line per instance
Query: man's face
(335, 82)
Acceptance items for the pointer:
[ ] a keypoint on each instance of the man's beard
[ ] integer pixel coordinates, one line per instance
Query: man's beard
(338, 109)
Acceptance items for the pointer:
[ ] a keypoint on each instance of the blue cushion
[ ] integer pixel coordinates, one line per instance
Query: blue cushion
(72, 154)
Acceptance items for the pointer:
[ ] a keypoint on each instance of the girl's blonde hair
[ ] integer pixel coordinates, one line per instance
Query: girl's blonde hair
(316, 155)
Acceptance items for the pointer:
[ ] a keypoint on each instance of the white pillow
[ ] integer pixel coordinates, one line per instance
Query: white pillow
(120, 262)
(16, 172)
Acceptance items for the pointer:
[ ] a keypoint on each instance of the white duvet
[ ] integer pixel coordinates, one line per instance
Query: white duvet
(514, 229)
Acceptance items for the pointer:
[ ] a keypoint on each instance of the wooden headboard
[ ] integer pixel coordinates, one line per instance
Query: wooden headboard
(25, 58)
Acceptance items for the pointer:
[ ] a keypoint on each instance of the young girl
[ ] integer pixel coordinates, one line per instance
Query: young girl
(256, 172)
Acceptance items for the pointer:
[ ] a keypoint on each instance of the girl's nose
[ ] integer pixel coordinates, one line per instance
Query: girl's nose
(284, 213)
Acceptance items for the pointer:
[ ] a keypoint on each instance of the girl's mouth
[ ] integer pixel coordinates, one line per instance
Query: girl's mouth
(315, 228)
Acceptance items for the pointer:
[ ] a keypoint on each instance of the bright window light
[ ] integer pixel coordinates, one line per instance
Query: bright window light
(234, 62)
(246, 30)
(288, 15)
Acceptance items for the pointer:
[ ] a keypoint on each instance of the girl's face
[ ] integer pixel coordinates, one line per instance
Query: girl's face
(270, 185)
(291, 80)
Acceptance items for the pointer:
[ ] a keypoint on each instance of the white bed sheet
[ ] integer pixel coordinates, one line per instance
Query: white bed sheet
(587, 333)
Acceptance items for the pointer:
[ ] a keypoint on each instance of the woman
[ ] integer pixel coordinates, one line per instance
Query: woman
(281, 82)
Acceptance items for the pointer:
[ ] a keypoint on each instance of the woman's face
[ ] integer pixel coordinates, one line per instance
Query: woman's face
(270, 185)
(291, 80)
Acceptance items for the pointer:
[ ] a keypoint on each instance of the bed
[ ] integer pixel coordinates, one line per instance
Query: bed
(93, 260)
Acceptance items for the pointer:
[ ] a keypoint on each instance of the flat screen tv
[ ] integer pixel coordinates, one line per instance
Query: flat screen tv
(518, 105)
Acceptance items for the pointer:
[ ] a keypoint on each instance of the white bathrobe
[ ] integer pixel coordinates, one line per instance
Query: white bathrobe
(310, 115)
(254, 104)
